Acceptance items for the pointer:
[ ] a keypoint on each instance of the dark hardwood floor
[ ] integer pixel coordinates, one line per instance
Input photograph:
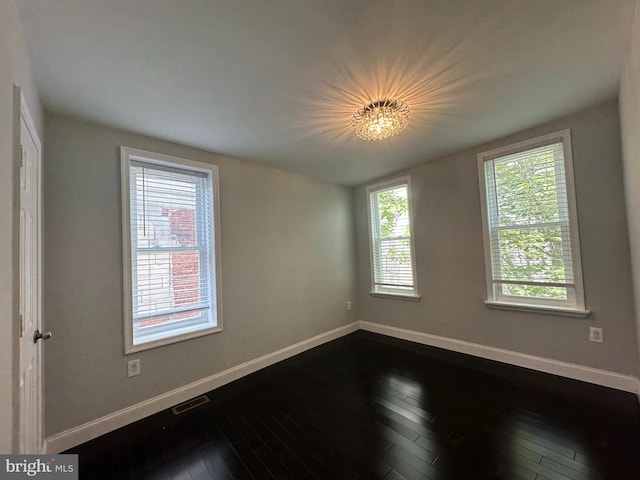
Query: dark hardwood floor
(369, 407)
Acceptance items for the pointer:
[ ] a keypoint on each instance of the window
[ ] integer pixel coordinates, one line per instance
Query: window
(392, 264)
(530, 225)
(171, 249)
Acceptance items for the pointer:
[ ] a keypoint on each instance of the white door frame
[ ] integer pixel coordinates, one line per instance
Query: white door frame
(35, 428)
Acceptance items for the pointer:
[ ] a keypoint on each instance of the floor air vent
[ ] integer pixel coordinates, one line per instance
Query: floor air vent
(190, 405)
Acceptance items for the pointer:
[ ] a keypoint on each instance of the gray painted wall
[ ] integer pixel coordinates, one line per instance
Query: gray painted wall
(450, 258)
(288, 269)
(630, 124)
(14, 70)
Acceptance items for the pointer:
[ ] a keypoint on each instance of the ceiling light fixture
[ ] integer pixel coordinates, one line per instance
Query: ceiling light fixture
(380, 119)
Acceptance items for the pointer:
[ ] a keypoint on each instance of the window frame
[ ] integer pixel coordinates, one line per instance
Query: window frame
(127, 155)
(539, 305)
(381, 186)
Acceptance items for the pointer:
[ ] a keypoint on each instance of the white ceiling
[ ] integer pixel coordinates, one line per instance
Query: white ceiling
(276, 82)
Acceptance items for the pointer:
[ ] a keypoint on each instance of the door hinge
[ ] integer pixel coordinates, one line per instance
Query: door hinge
(21, 159)
(21, 321)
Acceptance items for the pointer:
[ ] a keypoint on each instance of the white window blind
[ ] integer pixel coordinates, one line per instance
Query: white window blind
(172, 261)
(532, 236)
(391, 240)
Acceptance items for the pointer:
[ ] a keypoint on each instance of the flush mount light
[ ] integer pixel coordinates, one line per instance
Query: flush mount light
(380, 119)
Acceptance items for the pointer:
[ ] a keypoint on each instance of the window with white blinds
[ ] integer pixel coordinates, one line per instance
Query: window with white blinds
(170, 250)
(393, 269)
(531, 235)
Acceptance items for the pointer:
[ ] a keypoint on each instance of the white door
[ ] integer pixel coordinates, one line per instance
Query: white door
(30, 321)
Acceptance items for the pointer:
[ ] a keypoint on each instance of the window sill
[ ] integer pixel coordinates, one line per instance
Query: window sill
(139, 347)
(545, 310)
(397, 296)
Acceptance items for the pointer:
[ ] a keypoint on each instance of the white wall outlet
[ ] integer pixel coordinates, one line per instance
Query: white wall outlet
(349, 305)
(133, 367)
(595, 335)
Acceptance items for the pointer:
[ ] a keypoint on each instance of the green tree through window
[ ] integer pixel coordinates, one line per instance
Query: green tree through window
(391, 239)
(531, 236)
(527, 202)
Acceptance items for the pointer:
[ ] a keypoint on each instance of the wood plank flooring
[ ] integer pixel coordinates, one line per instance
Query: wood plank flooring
(370, 407)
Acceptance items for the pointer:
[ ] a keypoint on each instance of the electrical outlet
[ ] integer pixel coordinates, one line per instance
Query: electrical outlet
(133, 367)
(595, 335)
(349, 305)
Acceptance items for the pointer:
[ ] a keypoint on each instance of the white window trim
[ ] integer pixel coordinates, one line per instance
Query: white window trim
(413, 296)
(534, 305)
(127, 153)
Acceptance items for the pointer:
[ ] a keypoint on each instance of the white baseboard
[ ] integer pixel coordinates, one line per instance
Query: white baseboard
(578, 372)
(88, 431)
